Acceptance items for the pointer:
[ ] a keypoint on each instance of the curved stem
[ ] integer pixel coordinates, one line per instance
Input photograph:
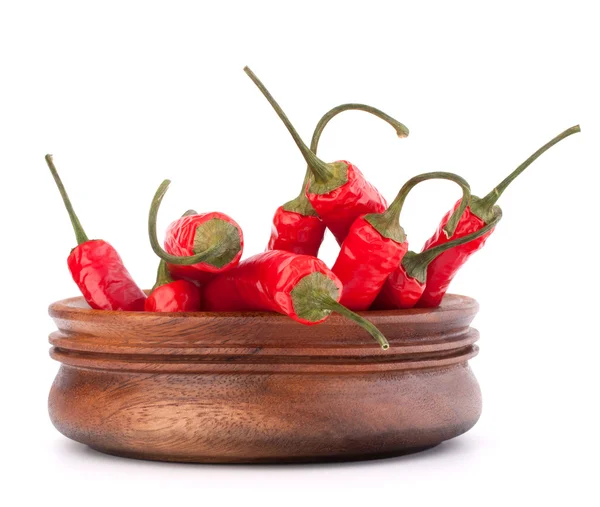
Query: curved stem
(490, 199)
(77, 227)
(158, 250)
(321, 170)
(401, 130)
(415, 264)
(390, 218)
(163, 277)
(328, 303)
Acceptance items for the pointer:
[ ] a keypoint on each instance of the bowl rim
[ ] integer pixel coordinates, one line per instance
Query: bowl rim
(198, 342)
(73, 305)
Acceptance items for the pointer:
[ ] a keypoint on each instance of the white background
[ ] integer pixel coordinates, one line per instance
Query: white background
(125, 94)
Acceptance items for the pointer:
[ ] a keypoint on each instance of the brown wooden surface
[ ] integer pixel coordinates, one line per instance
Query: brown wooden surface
(258, 387)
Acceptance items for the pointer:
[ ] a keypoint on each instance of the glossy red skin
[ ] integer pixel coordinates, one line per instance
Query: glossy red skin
(177, 296)
(365, 261)
(341, 207)
(179, 240)
(98, 271)
(442, 269)
(296, 233)
(399, 291)
(264, 282)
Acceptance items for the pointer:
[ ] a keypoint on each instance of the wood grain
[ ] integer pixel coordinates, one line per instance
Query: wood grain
(258, 387)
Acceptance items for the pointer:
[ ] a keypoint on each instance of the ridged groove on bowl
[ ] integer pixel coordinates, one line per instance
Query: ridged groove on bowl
(260, 342)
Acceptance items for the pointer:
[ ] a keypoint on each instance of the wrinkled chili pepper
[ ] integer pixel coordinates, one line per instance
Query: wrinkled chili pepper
(377, 243)
(296, 226)
(96, 267)
(404, 287)
(479, 213)
(338, 191)
(296, 232)
(169, 295)
(299, 286)
(197, 246)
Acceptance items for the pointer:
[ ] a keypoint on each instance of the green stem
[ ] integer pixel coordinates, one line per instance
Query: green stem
(322, 171)
(158, 250)
(388, 222)
(190, 212)
(401, 130)
(328, 303)
(315, 296)
(77, 227)
(301, 204)
(485, 204)
(416, 264)
(163, 277)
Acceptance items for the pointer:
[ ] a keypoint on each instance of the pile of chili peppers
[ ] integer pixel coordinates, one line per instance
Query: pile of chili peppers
(200, 266)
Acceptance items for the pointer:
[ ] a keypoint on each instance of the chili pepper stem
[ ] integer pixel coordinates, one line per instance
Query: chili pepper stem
(314, 298)
(163, 277)
(80, 234)
(212, 253)
(327, 176)
(415, 264)
(401, 129)
(301, 204)
(482, 207)
(331, 304)
(388, 222)
(189, 213)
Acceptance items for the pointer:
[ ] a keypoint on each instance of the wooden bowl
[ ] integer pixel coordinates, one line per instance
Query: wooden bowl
(258, 387)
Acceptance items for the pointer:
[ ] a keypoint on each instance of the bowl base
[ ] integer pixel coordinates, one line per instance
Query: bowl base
(266, 460)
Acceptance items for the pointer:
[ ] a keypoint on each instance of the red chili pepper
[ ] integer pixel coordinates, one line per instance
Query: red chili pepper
(170, 295)
(299, 286)
(338, 192)
(96, 267)
(377, 243)
(479, 213)
(296, 226)
(197, 246)
(406, 284)
(296, 232)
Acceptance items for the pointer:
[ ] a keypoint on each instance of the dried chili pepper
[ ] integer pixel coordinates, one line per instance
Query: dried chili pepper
(479, 213)
(299, 286)
(296, 226)
(169, 295)
(197, 246)
(404, 287)
(96, 267)
(377, 243)
(338, 191)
